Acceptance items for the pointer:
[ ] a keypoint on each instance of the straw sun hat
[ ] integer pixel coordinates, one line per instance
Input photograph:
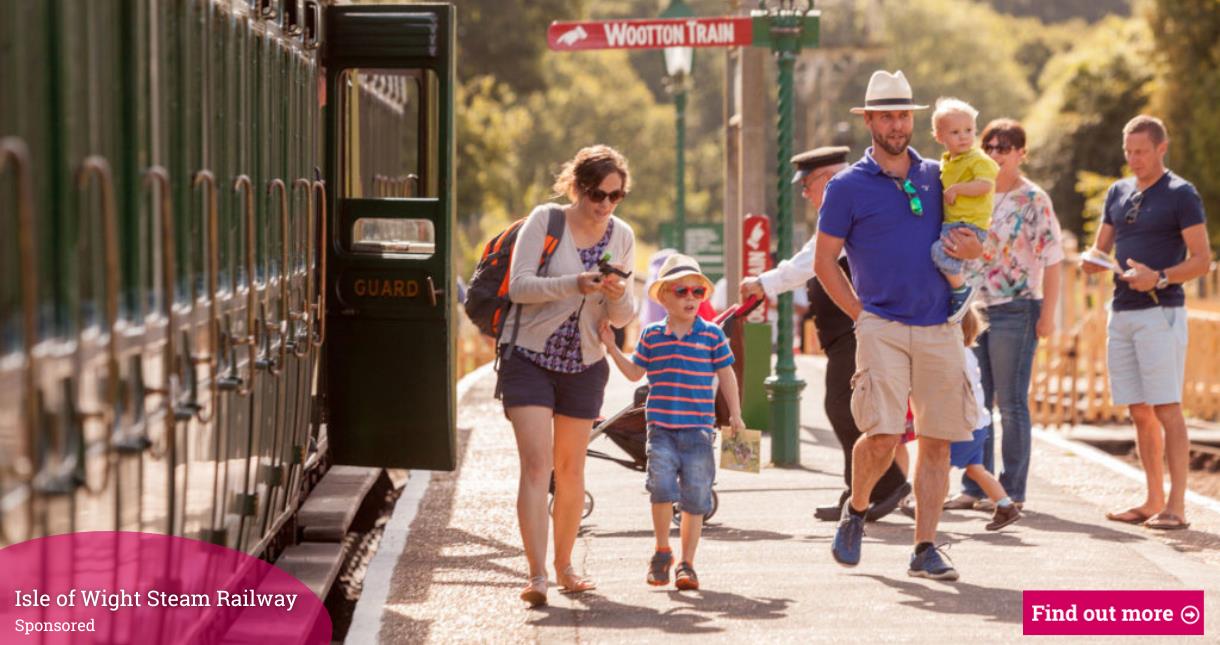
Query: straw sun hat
(677, 266)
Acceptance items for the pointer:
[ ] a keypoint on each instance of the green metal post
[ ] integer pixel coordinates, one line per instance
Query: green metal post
(784, 388)
(680, 196)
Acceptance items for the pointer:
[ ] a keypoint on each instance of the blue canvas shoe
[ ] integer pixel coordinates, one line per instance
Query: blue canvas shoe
(959, 303)
(931, 565)
(849, 535)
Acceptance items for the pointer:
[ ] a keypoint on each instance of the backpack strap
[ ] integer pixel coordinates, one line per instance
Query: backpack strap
(555, 225)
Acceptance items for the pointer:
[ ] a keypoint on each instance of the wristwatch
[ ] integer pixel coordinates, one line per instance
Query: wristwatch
(1162, 280)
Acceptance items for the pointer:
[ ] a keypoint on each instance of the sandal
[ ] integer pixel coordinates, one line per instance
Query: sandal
(658, 568)
(960, 503)
(535, 592)
(1166, 521)
(570, 583)
(685, 578)
(1129, 516)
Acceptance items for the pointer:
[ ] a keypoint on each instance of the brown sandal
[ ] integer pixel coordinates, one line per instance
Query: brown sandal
(1165, 521)
(1129, 516)
(570, 583)
(535, 592)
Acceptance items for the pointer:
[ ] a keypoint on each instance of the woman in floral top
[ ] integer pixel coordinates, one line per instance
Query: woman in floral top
(1018, 279)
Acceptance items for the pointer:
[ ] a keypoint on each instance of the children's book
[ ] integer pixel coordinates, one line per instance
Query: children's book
(742, 451)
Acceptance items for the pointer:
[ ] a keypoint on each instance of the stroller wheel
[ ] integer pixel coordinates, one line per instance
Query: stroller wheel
(715, 507)
(584, 513)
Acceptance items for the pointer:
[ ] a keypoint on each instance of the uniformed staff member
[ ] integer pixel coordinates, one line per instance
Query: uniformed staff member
(835, 333)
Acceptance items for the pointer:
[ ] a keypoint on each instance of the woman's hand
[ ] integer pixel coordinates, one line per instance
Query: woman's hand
(613, 287)
(1046, 324)
(588, 282)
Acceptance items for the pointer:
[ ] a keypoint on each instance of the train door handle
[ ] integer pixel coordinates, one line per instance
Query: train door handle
(305, 315)
(250, 340)
(207, 180)
(14, 153)
(433, 293)
(319, 308)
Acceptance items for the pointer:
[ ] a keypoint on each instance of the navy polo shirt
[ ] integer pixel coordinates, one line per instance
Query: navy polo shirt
(1155, 237)
(888, 246)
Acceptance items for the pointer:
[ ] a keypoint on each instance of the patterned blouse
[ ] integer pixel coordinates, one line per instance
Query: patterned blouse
(562, 352)
(1024, 238)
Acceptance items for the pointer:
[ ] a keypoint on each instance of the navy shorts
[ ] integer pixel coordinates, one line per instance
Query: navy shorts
(968, 453)
(681, 467)
(524, 382)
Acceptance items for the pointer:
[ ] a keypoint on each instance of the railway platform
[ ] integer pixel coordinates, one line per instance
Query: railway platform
(450, 565)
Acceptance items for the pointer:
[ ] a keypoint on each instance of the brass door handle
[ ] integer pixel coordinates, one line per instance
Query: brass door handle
(205, 179)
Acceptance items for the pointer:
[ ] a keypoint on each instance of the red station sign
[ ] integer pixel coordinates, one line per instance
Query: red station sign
(756, 254)
(651, 34)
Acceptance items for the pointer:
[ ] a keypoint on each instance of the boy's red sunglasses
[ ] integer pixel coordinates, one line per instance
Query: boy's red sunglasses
(697, 292)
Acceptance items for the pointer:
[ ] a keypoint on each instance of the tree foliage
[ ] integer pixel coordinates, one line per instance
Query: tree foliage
(1187, 36)
(1087, 95)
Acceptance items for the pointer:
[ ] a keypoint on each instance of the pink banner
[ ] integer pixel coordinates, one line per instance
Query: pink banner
(1112, 613)
(107, 587)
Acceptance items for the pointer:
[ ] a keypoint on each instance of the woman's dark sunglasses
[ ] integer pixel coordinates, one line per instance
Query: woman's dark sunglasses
(697, 292)
(598, 195)
(999, 148)
(1136, 201)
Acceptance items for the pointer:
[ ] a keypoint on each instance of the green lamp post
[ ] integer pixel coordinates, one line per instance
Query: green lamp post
(678, 62)
(787, 30)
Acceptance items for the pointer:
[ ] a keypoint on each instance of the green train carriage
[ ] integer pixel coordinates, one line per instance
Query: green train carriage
(226, 232)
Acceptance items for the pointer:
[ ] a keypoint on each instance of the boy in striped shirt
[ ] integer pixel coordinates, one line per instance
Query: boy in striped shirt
(683, 356)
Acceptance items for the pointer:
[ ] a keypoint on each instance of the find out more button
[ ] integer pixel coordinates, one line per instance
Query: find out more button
(1112, 613)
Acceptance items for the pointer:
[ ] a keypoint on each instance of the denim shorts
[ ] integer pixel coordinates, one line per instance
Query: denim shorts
(968, 453)
(942, 260)
(681, 467)
(524, 382)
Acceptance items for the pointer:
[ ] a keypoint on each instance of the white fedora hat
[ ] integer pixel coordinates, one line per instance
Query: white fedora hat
(887, 91)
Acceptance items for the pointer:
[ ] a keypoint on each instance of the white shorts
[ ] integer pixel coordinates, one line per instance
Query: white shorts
(1146, 352)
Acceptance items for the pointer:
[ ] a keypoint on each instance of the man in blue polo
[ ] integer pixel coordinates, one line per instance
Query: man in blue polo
(886, 210)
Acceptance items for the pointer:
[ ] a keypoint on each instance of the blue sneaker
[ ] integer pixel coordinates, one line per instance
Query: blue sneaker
(849, 535)
(959, 303)
(930, 564)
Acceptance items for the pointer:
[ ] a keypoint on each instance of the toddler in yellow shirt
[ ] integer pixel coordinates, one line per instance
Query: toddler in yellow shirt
(968, 176)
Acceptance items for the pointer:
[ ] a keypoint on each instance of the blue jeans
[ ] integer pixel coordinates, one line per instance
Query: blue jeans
(681, 467)
(948, 264)
(1006, 359)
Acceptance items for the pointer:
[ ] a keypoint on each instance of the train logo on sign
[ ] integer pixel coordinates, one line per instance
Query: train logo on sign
(572, 36)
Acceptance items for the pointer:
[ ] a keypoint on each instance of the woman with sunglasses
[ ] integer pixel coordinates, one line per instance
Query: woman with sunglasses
(553, 376)
(1018, 278)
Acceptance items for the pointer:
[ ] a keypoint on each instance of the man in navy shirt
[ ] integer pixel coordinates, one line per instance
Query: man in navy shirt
(886, 211)
(1155, 223)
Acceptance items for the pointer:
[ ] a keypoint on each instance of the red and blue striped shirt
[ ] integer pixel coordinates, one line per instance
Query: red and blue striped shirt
(681, 373)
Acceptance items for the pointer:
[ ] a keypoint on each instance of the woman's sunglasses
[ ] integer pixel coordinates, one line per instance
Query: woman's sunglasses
(1136, 201)
(598, 195)
(697, 292)
(998, 148)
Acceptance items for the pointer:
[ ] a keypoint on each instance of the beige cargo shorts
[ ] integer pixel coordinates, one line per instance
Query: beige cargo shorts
(895, 361)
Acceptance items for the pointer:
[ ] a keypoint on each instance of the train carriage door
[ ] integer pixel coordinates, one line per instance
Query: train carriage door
(389, 369)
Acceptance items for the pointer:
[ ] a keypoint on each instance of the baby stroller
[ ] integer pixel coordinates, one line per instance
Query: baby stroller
(628, 429)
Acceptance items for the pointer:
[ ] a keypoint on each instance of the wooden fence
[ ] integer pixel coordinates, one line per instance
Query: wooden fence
(1070, 385)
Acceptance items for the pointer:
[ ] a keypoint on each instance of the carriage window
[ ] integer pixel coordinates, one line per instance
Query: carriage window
(379, 236)
(390, 141)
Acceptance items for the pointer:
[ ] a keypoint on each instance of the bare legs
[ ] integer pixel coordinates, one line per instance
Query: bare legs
(542, 452)
(691, 530)
(931, 486)
(1151, 445)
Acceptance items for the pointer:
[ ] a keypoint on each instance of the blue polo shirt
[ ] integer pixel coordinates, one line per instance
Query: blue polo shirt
(681, 372)
(888, 247)
(1154, 237)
